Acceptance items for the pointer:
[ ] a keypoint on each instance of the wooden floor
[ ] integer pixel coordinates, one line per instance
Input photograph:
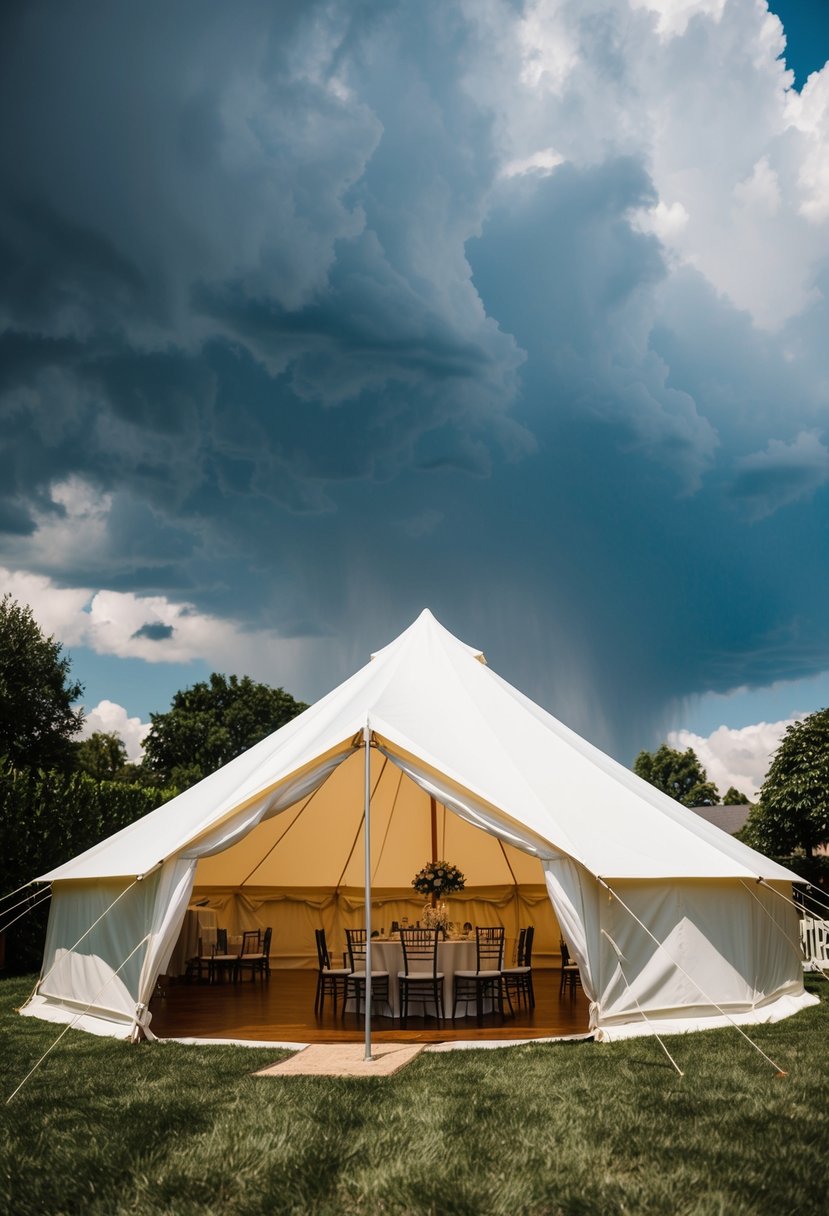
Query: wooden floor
(282, 1010)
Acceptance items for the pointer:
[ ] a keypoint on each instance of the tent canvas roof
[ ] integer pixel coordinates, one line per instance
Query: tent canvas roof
(461, 733)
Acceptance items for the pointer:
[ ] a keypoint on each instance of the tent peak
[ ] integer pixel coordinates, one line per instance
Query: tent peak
(424, 626)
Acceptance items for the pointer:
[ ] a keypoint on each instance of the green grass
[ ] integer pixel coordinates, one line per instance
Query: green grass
(106, 1128)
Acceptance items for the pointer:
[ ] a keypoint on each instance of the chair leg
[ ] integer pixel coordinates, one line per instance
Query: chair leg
(356, 997)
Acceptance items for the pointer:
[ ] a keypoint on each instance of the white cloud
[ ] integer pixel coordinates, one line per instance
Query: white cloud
(673, 15)
(542, 162)
(549, 47)
(665, 220)
(808, 115)
(760, 191)
(699, 92)
(735, 757)
(59, 611)
(159, 630)
(67, 536)
(111, 718)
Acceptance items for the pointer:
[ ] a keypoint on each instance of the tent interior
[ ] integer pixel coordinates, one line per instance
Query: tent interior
(305, 868)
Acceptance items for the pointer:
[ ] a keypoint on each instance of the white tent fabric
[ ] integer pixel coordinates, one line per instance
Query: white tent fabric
(523, 800)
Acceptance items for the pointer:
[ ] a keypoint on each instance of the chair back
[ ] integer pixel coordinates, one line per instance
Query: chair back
(323, 957)
(251, 942)
(420, 951)
(565, 953)
(266, 942)
(519, 950)
(490, 948)
(355, 940)
(527, 960)
(814, 937)
(221, 941)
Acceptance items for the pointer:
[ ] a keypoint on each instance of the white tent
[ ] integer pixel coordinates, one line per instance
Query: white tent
(675, 925)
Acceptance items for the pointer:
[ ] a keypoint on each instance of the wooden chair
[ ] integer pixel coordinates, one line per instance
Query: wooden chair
(355, 981)
(255, 953)
(329, 979)
(205, 959)
(222, 962)
(570, 977)
(199, 962)
(519, 979)
(420, 981)
(814, 939)
(485, 982)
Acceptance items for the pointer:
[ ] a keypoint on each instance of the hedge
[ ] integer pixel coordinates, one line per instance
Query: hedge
(45, 819)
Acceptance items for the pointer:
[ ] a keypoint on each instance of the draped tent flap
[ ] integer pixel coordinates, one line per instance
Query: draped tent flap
(521, 804)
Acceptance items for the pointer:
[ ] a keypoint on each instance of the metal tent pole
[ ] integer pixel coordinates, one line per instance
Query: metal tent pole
(367, 818)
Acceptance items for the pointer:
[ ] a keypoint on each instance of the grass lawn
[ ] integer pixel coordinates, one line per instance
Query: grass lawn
(106, 1128)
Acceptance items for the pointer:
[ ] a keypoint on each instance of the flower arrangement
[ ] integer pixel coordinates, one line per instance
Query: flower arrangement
(439, 878)
(436, 918)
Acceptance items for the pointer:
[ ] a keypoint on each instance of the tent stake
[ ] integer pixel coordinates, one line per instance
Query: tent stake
(367, 742)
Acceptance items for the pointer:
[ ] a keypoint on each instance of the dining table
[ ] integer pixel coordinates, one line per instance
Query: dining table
(454, 954)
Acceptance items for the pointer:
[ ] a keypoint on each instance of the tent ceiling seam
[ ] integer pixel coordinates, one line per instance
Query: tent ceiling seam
(360, 824)
(390, 819)
(279, 839)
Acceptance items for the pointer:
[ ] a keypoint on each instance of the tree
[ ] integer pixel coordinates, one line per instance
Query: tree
(103, 755)
(793, 810)
(734, 797)
(212, 723)
(37, 720)
(678, 774)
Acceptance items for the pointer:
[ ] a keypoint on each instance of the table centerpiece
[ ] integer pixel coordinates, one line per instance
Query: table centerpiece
(438, 879)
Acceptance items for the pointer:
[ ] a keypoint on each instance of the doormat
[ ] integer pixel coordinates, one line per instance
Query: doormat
(345, 1060)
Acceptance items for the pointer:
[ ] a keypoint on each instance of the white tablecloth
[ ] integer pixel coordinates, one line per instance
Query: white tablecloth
(198, 923)
(452, 957)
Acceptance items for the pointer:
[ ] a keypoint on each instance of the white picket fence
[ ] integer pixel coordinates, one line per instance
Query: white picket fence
(814, 939)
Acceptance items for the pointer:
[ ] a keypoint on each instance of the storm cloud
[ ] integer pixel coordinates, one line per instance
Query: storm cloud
(315, 314)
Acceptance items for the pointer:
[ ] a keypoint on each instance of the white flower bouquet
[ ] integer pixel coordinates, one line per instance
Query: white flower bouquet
(439, 878)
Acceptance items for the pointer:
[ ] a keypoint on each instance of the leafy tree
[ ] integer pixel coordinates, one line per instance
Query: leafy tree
(793, 810)
(678, 774)
(212, 723)
(37, 720)
(103, 756)
(734, 797)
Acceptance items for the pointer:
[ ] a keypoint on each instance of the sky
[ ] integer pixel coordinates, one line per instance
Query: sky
(317, 314)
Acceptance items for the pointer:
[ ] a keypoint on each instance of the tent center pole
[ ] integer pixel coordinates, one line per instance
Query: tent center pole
(367, 819)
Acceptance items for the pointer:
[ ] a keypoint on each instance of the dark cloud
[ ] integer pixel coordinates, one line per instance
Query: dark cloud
(155, 631)
(782, 474)
(265, 286)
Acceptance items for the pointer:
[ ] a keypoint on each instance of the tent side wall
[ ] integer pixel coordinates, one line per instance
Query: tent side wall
(293, 915)
(677, 955)
(106, 943)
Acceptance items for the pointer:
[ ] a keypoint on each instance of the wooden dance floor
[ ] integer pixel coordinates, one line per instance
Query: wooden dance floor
(281, 1009)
